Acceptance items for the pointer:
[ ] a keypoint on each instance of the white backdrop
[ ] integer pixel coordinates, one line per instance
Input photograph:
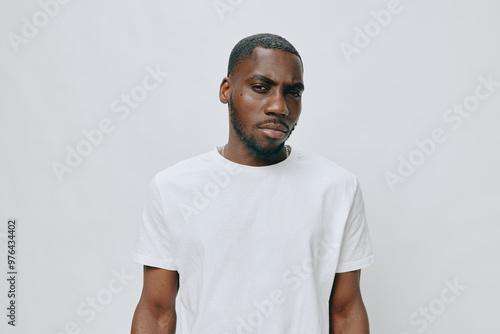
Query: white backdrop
(98, 96)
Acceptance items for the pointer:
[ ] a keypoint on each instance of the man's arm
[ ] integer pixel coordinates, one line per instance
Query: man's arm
(347, 311)
(155, 312)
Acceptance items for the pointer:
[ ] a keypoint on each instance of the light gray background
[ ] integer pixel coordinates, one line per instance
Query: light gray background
(440, 225)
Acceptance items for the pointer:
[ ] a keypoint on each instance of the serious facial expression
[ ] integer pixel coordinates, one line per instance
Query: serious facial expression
(265, 100)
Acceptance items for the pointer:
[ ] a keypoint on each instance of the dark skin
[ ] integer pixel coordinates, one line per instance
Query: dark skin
(266, 90)
(347, 310)
(267, 87)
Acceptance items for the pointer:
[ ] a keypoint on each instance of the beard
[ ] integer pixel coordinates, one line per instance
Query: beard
(249, 140)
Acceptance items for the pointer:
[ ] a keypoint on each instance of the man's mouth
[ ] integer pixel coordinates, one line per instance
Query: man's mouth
(274, 130)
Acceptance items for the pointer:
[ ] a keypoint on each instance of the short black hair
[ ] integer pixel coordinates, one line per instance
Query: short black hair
(244, 48)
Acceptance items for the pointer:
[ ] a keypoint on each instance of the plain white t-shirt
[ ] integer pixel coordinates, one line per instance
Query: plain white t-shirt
(256, 248)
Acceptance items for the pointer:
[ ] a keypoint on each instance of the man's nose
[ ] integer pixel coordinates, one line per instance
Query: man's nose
(277, 105)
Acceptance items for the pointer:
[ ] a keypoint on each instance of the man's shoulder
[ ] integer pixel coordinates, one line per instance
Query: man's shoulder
(323, 166)
(187, 166)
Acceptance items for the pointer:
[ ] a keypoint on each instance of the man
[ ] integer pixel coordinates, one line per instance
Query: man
(256, 236)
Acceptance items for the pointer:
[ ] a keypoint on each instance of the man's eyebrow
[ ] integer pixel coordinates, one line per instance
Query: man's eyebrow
(269, 81)
(260, 77)
(297, 86)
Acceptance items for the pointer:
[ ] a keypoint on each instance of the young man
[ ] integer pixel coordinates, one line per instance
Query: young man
(259, 236)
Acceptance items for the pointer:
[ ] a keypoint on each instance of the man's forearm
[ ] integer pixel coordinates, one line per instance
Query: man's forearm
(352, 321)
(150, 322)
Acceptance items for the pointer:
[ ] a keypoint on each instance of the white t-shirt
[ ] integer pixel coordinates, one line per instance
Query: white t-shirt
(256, 248)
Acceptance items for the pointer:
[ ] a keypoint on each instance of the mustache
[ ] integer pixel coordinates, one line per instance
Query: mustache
(273, 121)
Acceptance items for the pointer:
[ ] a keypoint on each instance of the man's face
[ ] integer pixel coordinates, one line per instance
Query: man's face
(265, 100)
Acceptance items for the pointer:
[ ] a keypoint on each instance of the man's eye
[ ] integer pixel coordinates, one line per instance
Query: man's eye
(260, 87)
(295, 93)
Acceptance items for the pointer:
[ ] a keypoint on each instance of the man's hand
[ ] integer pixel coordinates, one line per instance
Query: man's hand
(155, 313)
(347, 311)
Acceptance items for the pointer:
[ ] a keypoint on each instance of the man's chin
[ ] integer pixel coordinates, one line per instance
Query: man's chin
(265, 152)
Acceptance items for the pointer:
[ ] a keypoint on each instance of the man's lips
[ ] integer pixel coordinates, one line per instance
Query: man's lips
(274, 126)
(274, 130)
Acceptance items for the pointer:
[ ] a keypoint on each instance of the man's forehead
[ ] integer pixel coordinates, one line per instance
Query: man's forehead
(262, 55)
(269, 63)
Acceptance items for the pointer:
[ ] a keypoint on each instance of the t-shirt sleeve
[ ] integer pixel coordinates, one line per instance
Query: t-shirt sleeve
(153, 242)
(356, 251)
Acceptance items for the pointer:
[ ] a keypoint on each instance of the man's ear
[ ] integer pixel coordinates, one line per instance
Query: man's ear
(225, 90)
